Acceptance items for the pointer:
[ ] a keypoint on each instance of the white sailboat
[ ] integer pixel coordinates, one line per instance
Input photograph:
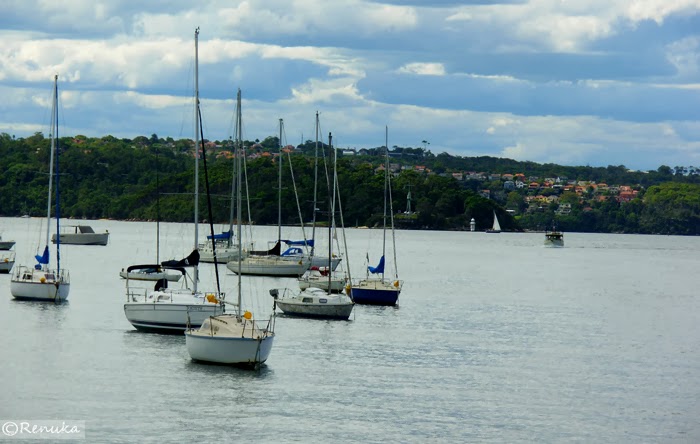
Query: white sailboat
(152, 272)
(313, 302)
(167, 310)
(381, 290)
(272, 262)
(322, 272)
(42, 283)
(233, 339)
(496, 228)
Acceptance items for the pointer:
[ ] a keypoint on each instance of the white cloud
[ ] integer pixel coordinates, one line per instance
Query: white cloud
(423, 69)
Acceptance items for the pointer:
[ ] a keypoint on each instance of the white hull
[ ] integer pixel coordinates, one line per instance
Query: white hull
(224, 254)
(141, 276)
(270, 266)
(235, 342)
(40, 285)
(314, 310)
(7, 261)
(337, 284)
(82, 238)
(169, 316)
(318, 261)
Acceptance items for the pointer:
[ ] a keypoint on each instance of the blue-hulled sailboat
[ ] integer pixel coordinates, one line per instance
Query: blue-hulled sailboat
(377, 288)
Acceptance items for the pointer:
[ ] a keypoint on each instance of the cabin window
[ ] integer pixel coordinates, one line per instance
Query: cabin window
(323, 301)
(309, 300)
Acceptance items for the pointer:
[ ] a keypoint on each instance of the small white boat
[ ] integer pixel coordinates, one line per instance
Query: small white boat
(81, 235)
(7, 261)
(496, 228)
(230, 339)
(40, 282)
(6, 245)
(150, 273)
(314, 303)
(225, 252)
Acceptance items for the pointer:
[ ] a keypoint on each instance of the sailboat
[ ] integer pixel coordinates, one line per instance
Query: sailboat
(167, 310)
(496, 228)
(321, 274)
(42, 283)
(233, 339)
(314, 302)
(154, 272)
(273, 262)
(381, 290)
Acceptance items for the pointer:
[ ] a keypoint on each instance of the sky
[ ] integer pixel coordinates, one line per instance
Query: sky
(596, 82)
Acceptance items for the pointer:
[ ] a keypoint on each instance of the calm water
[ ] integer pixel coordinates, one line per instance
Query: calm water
(497, 339)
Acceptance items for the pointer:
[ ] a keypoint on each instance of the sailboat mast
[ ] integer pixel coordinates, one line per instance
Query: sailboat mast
(196, 151)
(239, 161)
(58, 213)
(233, 197)
(279, 188)
(331, 204)
(313, 227)
(386, 180)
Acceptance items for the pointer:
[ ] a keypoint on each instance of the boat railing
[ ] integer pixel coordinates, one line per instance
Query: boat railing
(30, 274)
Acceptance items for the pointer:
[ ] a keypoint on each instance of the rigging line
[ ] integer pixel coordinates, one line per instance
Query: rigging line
(211, 221)
(296, 196)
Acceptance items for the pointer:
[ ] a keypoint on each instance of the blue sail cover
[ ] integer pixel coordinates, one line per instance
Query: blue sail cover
(224, 235)
(308, 243)
(379, 268)
(44, 258)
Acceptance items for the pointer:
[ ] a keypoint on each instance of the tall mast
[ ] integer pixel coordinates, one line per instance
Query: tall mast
(313, 227)
(196, 150)
(386, 180)
(279, 188)
(239, 161)
(55, 148)
(233, 197)
(331, 214)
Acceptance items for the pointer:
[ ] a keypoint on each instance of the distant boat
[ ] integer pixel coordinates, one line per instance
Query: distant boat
(40, 282)
(496, 228)
(553, 238)
(81, 235)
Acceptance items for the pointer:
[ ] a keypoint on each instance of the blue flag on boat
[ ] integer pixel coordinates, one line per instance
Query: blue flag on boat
(44, 258)
(379, 268)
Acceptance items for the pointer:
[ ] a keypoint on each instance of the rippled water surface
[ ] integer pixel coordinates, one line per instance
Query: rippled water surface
(497, 339)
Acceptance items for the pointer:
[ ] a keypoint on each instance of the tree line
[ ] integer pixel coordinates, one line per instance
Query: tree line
(148, 178)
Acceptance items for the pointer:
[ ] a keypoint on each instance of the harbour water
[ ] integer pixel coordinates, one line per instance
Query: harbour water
(497, 339)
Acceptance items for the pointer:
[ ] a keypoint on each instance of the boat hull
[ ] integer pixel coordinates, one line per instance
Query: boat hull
(228, 350)
(554, 243)
(166, 317)
(376, 292)
(7, 261)
(6, 245)
(337, 285)
(318, 261)
(223, 254)
(156, 276)
(29, 284)
(318, 311)
(82, 238)
(264, 266)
